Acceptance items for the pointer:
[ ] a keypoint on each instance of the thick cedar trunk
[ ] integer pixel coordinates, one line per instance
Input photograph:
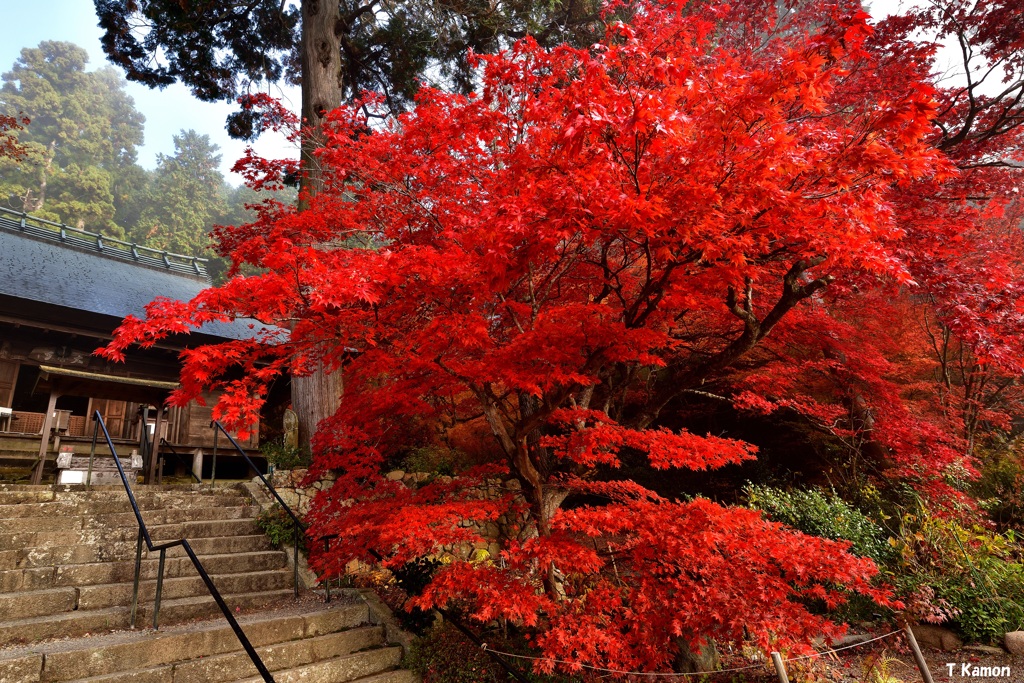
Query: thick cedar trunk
(318, 395)
(314, 398)
(321, 84)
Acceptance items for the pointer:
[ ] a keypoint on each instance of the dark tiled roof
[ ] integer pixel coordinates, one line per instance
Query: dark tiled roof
(92, 242)
(39, 269)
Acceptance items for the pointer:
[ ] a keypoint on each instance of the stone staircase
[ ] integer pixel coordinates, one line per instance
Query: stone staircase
(66, 569)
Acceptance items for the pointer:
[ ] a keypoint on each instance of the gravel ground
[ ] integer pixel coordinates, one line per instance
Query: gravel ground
(938, 660)
(858, 665)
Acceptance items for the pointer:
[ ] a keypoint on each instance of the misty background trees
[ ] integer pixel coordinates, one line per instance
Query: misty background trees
(81, 164)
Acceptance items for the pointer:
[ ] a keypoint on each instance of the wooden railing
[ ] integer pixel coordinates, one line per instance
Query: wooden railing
(92, 241)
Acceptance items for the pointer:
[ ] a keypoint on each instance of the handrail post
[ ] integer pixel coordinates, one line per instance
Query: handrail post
(213, 466)
(138, 570)
(296, 522)
(295, 559)
(159, 587)
(327, 582)
(92, 452)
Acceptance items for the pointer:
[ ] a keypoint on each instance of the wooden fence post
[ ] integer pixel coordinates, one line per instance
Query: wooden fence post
(918, 657)
(780, 668)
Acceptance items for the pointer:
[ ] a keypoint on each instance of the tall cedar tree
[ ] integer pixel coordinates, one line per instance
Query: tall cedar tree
(80, 148)
(729, 198)
(186, 192)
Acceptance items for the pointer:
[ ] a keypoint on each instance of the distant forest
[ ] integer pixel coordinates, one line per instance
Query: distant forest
(81, 164)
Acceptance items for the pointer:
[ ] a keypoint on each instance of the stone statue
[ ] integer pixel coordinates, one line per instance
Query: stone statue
(291, 428)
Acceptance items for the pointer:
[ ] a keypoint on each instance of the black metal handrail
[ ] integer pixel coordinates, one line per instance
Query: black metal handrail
(298, 527)
(165, 444)
(144, 537)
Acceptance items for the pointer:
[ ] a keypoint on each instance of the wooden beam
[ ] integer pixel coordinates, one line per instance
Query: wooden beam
(154, 453)
(37, 475)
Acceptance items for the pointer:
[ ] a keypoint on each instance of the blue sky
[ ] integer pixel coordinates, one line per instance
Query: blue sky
(168, 111)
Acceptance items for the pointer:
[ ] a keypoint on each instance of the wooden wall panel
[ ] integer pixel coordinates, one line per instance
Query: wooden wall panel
(8, 378)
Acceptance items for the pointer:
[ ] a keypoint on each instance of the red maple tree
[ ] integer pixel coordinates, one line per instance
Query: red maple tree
(714, 195)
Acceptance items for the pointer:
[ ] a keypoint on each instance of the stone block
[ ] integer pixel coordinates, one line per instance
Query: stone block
(23, 669)
(1014, 641)
(937, 637)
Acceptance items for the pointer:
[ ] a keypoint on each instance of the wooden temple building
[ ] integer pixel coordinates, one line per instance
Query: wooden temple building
(62, 293)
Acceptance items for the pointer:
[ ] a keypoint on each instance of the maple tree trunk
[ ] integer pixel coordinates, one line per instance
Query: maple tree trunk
(317, 396)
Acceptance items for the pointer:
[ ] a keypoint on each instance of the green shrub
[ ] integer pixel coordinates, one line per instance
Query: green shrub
(1000, 489)
(826, 515)
(284, 457)
(436, 460)
(277, 524)
(971, 576)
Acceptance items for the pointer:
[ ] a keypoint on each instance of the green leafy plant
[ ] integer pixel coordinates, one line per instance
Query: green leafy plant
(277, 524)
(436, 460)
(815, 512)
(1000, 489)
(880, 669)
(285, 457)
(972, 575)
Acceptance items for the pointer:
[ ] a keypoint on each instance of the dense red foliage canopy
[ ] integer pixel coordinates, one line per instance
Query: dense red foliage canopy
(728, 201)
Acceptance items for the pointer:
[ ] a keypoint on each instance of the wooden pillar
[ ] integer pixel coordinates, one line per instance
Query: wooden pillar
(37, 475)
(154, 454)
(197, 463)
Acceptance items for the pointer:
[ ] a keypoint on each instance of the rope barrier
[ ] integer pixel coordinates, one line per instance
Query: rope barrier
(845, 647)
(683, 675)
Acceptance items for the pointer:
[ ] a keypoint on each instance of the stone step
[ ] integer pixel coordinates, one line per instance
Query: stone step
(397, 676)
(82, 519)
(172, 611)
(354, 667)
(51, 539)
(180, 610)
(109, 505)
(144, 653)
(97, 573)
(105, 506)
(25, 605)
(276, 657)
(285, 655)
(69, 549)
(98, 597)
(216, 545)
(35, 629)
(186, 486)
(121, 571)
(114, 512)
(14, 493)
(203, 529)
(227, 563)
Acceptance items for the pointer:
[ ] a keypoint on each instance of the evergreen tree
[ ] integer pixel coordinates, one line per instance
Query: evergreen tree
(219, 49)
(81, 141)
(185, 197)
